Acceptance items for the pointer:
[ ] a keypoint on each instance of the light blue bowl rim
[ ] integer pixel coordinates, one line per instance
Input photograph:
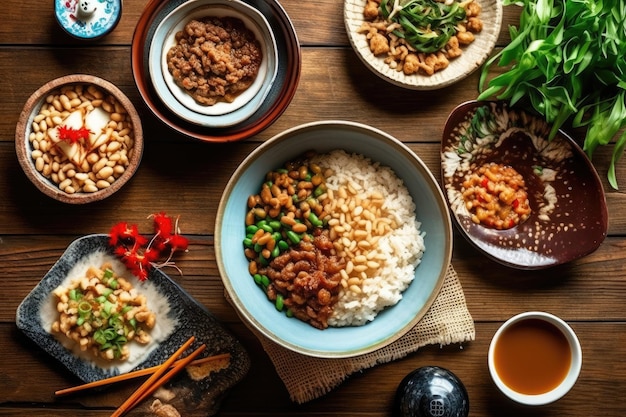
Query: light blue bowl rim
(249, 300)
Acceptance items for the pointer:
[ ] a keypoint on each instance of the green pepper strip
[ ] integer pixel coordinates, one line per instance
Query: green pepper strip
(427, 25)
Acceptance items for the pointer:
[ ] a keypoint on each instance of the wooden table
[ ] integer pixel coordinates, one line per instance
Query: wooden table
(185, 177)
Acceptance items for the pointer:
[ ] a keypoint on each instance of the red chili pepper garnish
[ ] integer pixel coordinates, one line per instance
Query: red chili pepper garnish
(140, 254)
(484, 182)
(71, 135)
(515, 203)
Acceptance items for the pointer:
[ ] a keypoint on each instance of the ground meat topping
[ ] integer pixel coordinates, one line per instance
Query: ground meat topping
(307, 277)
(215, 59)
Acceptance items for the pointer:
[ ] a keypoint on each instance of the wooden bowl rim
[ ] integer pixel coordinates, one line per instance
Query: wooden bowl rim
(23, 128)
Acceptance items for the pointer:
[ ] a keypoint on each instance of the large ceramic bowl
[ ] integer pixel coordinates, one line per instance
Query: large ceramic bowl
(178, 100)
(274, 102)
(82, 169)
(390, 324)
(471, 58)
(568, 214)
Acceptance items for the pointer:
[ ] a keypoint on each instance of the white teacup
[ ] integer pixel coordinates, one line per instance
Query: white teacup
(535, 358)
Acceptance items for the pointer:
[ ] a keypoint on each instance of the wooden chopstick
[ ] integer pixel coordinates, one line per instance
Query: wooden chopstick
(135, 374)
(148, 383)
(161, 381)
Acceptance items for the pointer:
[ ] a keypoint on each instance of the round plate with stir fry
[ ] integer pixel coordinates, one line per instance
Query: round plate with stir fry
(423, 44)
(523, 200)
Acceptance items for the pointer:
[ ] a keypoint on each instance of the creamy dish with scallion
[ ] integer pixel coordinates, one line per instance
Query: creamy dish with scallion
(102, 313)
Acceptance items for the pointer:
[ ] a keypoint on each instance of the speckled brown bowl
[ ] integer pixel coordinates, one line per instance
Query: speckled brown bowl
(35, 162)
(569, 216)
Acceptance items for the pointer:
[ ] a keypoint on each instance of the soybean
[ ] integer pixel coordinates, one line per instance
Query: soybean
(293, 237)
(284, 211)
(280, 302)
(108, 161)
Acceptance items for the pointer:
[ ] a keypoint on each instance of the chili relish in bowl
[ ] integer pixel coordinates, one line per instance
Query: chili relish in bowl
(514, 193)
(496, 196)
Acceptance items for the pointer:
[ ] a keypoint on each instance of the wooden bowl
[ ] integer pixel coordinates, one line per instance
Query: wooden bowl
(79, 139)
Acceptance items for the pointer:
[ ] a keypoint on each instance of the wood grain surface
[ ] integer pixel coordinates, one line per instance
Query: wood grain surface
(184, 177)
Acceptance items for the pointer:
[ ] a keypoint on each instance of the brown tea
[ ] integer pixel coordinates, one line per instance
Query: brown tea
(532, 356)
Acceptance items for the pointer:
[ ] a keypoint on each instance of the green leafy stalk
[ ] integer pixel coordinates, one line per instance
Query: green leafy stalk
(567, 59)
(427, 25)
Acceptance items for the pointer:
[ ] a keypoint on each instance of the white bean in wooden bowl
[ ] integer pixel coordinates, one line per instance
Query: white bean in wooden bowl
(79, 139)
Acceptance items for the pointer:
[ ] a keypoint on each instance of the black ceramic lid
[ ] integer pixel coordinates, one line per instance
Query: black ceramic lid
(431, 391)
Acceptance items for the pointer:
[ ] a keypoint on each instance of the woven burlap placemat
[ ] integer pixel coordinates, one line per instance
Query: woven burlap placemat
(306, 378)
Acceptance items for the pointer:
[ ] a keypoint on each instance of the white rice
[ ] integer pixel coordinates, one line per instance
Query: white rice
(401, 248)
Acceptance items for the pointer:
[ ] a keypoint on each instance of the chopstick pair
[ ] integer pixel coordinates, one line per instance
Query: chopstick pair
(156, 379)
(134, 374)
(158, 376)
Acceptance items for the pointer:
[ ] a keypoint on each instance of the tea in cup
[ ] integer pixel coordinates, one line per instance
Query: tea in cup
(535, 358)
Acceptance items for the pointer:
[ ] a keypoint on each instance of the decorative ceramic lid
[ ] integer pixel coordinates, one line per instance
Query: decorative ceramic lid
(88, 19)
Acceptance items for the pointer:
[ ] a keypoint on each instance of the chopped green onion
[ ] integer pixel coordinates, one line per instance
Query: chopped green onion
(84, 308)
(75, 294)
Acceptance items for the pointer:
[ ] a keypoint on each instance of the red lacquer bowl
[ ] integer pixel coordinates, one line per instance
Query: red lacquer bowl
(276, 102)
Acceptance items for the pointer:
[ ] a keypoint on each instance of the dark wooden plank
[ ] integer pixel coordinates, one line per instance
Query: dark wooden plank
(351, 92)
(348, 91)
(265, 394)
(187, 179)
(316, 23)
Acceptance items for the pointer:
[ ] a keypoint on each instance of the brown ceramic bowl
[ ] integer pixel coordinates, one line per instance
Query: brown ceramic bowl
(568, 214)
(79, 139)
(250, 299)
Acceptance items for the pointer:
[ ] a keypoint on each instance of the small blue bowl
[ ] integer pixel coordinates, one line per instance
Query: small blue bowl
(389, 325)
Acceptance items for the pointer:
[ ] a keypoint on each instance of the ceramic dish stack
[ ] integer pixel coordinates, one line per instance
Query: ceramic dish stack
(251, 111)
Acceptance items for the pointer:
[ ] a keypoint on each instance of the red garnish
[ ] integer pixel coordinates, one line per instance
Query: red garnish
(138, 253)
(71, 135)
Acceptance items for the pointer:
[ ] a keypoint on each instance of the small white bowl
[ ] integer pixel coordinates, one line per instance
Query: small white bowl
(177, 100)
(568, 381)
